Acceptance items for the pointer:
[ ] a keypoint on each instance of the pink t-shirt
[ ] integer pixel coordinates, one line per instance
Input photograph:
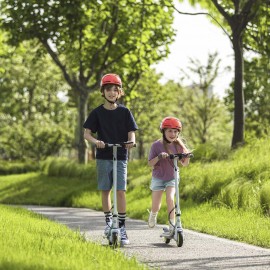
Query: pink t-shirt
(163, 169)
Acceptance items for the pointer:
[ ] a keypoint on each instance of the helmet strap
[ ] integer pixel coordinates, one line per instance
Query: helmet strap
(112, 102)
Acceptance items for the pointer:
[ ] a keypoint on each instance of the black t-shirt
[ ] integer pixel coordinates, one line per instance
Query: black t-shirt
(111, 126)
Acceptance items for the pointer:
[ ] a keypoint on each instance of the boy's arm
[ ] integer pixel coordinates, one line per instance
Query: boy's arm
(88, 136)
(131, 138)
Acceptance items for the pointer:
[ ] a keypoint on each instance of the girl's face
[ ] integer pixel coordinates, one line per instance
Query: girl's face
(111, 92)
(171, 134)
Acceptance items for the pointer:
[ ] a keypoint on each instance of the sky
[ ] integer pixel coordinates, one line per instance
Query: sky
(196, 37)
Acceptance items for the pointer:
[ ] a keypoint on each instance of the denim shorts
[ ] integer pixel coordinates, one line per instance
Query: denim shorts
(158, 184)
(105, 174)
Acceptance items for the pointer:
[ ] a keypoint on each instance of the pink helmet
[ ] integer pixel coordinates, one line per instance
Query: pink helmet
(111, 79)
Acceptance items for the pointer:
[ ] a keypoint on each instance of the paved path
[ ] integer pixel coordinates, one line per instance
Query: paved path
(200, 251)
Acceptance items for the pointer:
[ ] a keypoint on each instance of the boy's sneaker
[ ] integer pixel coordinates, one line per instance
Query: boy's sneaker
(123, 235)
(107, 228)
(152, 220)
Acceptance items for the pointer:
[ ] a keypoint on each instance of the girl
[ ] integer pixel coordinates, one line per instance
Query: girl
(163, 169)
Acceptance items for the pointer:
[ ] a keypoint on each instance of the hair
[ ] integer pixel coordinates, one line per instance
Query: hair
(109, 86)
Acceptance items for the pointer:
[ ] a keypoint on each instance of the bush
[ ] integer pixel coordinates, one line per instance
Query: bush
(17, 167)
(265, 198)
(64, 167)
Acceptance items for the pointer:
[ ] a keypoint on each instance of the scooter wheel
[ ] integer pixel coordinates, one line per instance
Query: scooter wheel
(114, 240)
(166, 240)
(180, 239)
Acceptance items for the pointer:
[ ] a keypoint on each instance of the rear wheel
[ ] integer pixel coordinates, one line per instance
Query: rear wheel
(166, 240)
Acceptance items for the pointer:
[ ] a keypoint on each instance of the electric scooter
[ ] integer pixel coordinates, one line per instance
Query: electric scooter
(177, 234)
(114, 233)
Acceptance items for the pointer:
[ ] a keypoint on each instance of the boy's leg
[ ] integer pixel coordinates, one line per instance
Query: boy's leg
(121, 201)
(106, 200)
(106, 206)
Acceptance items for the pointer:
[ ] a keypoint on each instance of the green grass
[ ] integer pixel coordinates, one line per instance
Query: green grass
(30, 241)
(228, 198)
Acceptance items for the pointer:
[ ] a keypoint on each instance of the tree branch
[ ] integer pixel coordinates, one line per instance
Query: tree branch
(204, 13)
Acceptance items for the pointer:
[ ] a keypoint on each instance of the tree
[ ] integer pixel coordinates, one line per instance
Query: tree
(203, 112)
(86, 39)
(243, 19)
(150, 102)
(34, 122)
(257, 97)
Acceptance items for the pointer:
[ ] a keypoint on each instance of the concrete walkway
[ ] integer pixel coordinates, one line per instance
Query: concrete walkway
(200, 251)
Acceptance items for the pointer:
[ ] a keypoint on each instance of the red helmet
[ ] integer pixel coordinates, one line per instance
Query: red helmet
(111, 79)
(170, 122)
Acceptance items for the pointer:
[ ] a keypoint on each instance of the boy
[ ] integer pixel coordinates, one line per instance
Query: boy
(113, 123)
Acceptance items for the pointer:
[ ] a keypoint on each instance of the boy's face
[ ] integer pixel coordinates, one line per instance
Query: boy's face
(111, 92)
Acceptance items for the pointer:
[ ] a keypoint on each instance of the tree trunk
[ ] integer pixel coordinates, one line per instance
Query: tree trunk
(238, 129)
(82, 109)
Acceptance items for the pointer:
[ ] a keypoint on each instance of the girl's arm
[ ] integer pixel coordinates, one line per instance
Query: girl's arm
(156, 159)
(184, 161)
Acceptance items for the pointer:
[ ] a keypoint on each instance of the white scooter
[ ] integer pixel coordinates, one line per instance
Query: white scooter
(177, 234)
(114, 233)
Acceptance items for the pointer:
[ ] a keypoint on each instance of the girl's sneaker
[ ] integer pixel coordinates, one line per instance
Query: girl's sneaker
(152, 220)
(123, 235)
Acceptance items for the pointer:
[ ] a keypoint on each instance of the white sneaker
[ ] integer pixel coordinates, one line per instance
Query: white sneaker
(168, 232)
(107, 228)
(152, 220)
(123, 234)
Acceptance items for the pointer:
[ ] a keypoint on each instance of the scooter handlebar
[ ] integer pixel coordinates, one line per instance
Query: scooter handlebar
(181, 155)
(121, 144)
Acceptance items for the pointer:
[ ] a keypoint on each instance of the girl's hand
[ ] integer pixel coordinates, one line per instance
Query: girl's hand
(163, 155)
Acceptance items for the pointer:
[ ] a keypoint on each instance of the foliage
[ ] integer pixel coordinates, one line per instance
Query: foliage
(257, 97)
(35, 122)
(7, 167)
(34, 140)
(87, 39)
(150, 102)
(38, 243)
(247, 27)
(204, 115)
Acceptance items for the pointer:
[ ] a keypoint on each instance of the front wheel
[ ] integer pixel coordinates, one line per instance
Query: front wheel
(180, 239)
(114, 242)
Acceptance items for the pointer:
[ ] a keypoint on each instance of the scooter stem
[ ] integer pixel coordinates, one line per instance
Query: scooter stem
(177, 195)
(115, 212)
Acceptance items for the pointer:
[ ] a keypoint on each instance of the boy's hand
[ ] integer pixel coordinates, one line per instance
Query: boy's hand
(100, 144)
(130, 145)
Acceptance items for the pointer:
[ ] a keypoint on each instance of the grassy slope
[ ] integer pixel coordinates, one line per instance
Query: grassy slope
(30, 241)
(234, 190)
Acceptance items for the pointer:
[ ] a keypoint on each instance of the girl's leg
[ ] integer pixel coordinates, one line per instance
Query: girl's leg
(170, 192)
(156, 203)
(156, 200)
